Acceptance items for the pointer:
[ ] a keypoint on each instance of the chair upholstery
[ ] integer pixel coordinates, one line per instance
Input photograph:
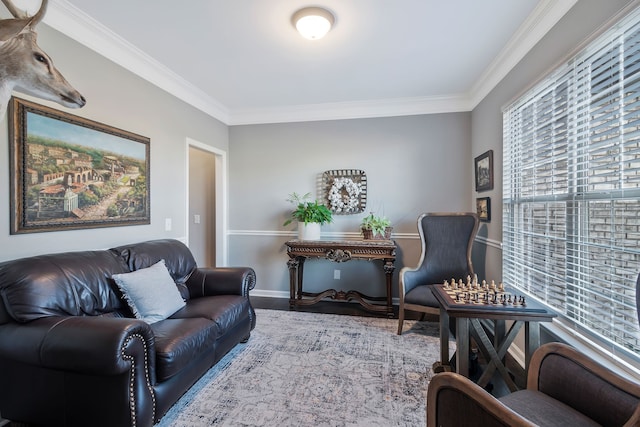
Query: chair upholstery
(447, 239)
(564, 388)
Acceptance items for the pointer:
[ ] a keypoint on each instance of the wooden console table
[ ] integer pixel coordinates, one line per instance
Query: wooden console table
(340, 251)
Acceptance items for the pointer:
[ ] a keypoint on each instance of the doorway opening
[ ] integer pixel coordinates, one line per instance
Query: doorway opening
(206, 210)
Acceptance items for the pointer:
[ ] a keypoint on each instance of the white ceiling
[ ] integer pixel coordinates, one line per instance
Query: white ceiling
(242, 61)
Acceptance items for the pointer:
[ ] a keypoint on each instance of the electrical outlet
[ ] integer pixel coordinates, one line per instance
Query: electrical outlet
(336, 274)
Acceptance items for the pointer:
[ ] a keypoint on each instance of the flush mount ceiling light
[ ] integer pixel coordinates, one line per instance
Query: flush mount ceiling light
(313, 22)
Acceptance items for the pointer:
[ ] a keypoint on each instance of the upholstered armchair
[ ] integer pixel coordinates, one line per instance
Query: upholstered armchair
(447, 239)
(564, 388)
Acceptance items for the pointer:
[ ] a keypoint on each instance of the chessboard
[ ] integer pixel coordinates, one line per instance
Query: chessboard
(483, 295)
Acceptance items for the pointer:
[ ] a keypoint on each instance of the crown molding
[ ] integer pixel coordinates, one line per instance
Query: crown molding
(546, 14)
(351, 110)
(69, 20)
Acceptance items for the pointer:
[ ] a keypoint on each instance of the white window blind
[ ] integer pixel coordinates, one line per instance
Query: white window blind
(571, 188)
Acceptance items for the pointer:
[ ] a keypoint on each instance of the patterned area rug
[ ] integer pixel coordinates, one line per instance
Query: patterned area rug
(309, 369)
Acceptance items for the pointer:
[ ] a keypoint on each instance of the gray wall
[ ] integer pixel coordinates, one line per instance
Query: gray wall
(575, 27)
(413, 164)
(118, 98)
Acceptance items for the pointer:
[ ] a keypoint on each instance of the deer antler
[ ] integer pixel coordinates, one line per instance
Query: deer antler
(22, 21)
(20, 14)
(17, 13)
(35, 20)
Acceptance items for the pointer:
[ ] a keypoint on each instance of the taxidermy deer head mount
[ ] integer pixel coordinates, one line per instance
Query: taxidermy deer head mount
(27, 68)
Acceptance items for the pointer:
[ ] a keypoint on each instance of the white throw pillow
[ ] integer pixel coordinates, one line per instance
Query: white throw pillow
(150, 292)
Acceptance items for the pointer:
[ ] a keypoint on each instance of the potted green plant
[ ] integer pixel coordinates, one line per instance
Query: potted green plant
(376, 227)
(310, 215)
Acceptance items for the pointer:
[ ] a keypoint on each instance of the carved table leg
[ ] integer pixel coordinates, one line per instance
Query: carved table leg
(300, 275)
(389, 268)
(293, 277)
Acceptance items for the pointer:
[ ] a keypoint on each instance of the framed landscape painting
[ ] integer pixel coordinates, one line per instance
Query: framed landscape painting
(68, 172)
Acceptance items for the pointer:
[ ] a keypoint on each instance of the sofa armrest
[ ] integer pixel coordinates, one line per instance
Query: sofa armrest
(221, 281)
(87, 345)
(454, 400)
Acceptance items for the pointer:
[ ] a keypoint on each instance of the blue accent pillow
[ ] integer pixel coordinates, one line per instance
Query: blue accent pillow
(150, 292)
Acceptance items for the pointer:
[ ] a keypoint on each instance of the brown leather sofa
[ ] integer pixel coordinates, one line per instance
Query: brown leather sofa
(73, 354)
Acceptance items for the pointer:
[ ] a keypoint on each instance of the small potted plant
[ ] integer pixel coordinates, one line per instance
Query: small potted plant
(310, 216)
(375, 227)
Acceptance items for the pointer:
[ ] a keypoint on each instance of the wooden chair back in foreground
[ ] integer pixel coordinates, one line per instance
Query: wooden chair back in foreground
(564, 388)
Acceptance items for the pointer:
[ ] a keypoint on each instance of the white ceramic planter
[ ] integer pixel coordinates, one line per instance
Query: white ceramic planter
(310, 231)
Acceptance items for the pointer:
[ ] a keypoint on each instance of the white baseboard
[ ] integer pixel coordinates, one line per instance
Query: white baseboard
(517, 354)
(269, 294)
(284, 294)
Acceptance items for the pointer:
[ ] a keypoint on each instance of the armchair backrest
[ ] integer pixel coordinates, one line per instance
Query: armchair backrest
(447, 240)
(572, 377)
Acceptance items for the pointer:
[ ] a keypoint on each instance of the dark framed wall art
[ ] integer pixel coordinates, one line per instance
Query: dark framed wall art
(345, 190)
(484, 171)
(483, 208)
(68, 172)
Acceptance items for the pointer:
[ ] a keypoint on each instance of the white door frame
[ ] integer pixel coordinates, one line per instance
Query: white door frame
(221, 201)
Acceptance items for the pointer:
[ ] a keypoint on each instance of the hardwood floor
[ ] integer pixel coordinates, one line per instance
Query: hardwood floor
(497, 387)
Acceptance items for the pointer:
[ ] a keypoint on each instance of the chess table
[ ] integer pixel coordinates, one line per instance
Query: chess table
(468, 307)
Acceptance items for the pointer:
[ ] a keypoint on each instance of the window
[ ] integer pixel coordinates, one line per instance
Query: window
(571, 195)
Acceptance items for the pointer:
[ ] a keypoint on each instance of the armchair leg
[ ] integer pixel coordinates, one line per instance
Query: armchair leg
(400, 320)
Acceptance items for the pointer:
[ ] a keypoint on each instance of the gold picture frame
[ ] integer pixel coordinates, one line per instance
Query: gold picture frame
(68, 172)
